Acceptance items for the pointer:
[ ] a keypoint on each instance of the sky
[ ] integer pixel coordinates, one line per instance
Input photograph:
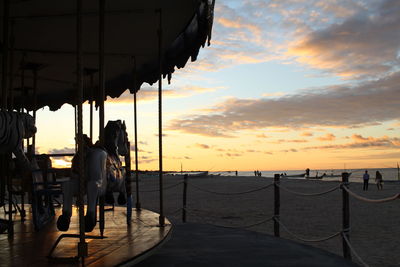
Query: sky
(285, 85)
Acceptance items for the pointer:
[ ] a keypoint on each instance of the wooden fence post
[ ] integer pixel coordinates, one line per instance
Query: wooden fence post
(345, 216)
(185, 178)
(277, 204)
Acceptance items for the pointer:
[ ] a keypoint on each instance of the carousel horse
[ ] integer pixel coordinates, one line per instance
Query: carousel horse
(103, 172)
(14, 127)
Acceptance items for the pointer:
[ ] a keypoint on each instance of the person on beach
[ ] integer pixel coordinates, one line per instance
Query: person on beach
(308, 172)
(378, 180)
(366, 181)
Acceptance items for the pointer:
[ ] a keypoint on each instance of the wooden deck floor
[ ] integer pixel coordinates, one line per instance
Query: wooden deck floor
(122, 245)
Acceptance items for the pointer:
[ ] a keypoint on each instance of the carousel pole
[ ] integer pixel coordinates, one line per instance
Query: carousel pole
(35, 77)
(102, 5)
(160, 155)
(6, 15)
(82, 245)
(138, 206)
(91, 106)
(4, 158)
(11, 66)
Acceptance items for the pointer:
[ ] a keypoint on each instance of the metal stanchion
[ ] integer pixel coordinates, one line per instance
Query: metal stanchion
(277, 205)
(345, 216)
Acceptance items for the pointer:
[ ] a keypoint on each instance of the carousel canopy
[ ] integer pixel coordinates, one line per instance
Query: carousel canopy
(43, 40)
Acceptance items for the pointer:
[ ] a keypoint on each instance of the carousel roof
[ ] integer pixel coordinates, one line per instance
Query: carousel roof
(43, 39)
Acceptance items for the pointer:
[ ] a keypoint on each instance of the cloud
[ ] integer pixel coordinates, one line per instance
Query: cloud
(204, 146)
(151, 94)
(65, 150)
(280, 141)
(306, 134)
(327, 137)
(358, 137)
(232, 155)
(365, 44)
(262, 136)
(289, 150)
(364, 142)
(145, 159)
(366, 103)
(369, 156)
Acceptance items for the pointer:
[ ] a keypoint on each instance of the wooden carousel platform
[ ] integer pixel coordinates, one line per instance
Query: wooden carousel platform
(123, 245)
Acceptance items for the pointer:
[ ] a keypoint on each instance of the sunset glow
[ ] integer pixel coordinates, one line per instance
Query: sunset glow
(284, 85)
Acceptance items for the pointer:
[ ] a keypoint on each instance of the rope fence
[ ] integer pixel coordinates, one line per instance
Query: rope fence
(244, 226)
(353, 251)
(230, 193)
(369, 200)
(303, 239)
(165, 188)
(348, 249)
(308, 194)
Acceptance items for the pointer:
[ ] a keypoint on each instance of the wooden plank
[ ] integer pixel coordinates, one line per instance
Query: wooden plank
(123, 243)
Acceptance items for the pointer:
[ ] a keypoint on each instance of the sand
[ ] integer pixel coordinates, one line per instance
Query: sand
(374, 227)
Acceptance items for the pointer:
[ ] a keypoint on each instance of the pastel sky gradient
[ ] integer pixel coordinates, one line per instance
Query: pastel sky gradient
(285, 84)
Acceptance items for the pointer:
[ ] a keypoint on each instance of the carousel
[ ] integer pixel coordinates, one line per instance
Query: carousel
(71, 52)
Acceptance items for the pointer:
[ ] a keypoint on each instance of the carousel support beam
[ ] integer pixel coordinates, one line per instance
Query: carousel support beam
(6, 15)
(82, 245)
(138, 206)
(102, 4)
(160, 154)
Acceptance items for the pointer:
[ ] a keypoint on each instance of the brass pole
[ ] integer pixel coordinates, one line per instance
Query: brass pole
(35, 77)
(91, 106)
(138, 206)
(6, 14)
(82, 245)
(11, 68)
(160, 155)
(101, 96)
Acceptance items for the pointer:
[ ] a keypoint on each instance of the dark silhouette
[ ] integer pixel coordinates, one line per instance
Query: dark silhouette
(366, 181)
(236, 173)
(378, 180)
(308, 172)
(255, 173)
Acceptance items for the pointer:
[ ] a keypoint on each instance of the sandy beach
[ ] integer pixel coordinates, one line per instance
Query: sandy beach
(374, 227)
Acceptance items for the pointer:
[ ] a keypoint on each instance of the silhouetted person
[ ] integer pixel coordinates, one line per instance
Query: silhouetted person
(259, 173)
(366, 181)
(255, 173)
(236, 173)
(378, 180)
(308, 172)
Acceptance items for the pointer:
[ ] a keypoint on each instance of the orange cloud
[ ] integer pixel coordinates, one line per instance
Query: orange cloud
(204, 146)
(327, 137)
(307, 134)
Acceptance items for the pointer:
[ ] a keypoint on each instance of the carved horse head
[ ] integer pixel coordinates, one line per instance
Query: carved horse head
(116, 138)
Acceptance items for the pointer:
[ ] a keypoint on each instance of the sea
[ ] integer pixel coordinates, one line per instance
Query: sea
(389, 174)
